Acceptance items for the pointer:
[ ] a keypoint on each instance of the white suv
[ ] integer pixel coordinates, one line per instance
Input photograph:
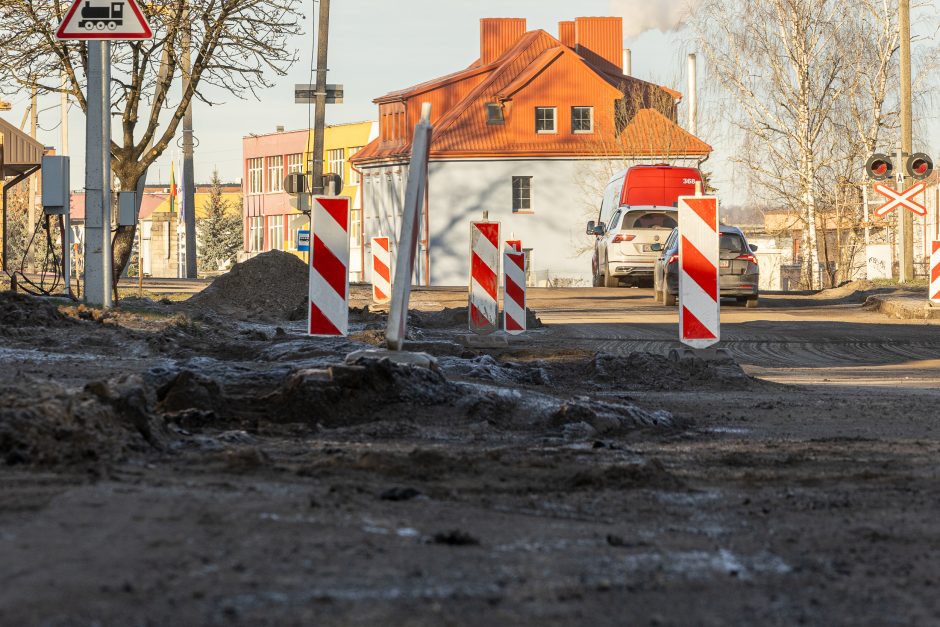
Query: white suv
(622, 250)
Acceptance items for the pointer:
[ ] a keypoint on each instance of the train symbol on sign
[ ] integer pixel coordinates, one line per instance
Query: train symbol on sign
(108, 15)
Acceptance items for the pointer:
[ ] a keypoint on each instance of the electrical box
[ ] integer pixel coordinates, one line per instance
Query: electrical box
(127, 208)
(56, 197)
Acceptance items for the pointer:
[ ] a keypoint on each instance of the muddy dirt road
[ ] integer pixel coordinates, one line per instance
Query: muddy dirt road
(165, 465)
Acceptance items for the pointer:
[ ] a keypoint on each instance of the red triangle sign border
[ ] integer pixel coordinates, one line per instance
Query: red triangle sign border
(144, 32)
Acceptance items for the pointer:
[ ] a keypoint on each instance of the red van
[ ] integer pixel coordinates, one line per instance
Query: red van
(639, 209)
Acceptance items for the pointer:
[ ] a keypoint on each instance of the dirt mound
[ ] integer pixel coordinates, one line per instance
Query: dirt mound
(105, 422)
(453, 317)
(21, 310)
(266, 288)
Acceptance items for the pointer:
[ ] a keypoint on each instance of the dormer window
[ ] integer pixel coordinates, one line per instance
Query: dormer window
(546, 120)
(494, 113)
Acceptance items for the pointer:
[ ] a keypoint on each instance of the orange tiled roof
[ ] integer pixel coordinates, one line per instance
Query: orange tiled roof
(462, 130)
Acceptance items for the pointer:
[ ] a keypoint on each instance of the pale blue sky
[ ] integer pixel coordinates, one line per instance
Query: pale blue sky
(378, 46)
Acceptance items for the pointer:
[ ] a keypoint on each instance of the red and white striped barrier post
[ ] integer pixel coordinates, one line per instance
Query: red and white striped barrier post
(484, 277)
(934, 293)
(329, 266)
(699, 307)
(514, 316)
(381, 271)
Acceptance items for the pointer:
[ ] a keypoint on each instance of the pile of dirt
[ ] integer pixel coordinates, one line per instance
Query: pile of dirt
(21, 310)
(454, 317)
(265, 288)
(647, 371)
(55, 428)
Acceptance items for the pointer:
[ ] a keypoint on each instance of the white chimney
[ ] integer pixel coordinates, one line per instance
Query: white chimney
(627, 62)
(693, 96)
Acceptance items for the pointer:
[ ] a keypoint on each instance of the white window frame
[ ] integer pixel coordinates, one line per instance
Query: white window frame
(256, 234)
(554, 129)
(520, 209)
(354, 178)
(590, 121)
(255, 176)
(295, 163)
(334, 165)
(275, 173)
(276, 232)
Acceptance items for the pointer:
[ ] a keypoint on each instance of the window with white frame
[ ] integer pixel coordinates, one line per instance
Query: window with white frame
(353, 174)
(255, 175)
(335, 161)
(582, 119)
(275, 232)
(256, 234)
(355, 226)
(522, 194)
(295, 163)
(546, 120)
(276, 173)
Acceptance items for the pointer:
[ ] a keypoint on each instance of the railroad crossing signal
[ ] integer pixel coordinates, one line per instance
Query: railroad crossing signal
(879, 167)
(901, 199)
(104, 19)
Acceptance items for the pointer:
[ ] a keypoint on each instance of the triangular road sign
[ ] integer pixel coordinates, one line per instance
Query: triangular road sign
(104, 19)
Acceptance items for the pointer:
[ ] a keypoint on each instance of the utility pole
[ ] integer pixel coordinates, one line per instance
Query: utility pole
(98, 177)
(33, 185)
(906, 265)
(316, 165)
(66, 220)
(189, 182)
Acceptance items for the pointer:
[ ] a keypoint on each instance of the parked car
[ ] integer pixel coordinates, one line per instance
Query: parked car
(638, 210)
(739, 274)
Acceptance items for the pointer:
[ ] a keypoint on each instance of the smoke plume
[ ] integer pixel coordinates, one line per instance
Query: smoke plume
(640, 16)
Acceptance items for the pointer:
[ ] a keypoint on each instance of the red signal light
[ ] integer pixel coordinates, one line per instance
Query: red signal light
(919, 166)
(879, 167)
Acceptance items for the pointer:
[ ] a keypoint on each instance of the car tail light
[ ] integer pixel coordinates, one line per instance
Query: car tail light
(674, 258)
(620, 237)
(748, 257)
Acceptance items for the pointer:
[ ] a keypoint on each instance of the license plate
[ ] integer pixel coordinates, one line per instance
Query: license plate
(724, 263)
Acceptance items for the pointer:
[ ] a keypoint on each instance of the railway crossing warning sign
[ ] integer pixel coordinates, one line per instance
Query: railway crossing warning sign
(901, 199)
(104, 19)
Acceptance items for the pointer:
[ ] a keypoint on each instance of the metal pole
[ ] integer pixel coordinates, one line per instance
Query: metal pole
(3, 204)
(189, 182)
(867, 225)
(67, 220)
(907, 218)
(94, 177)
(106, 171)
(905, 245)
(33, 185)
(693, 95)
(319, 124)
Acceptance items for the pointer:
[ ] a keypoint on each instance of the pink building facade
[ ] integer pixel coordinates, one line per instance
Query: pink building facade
(270, 222)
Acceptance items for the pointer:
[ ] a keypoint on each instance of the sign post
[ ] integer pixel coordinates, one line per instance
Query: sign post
(100, 22)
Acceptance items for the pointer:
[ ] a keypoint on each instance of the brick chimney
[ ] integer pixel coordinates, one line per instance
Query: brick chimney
(600, 41)
(498, 34)
(566, 33)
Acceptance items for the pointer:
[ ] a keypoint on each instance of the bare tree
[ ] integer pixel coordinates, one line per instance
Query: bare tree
(784, 64)
(236, 46)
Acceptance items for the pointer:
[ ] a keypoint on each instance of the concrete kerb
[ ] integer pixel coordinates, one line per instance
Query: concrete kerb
(405, 358)
(904, 308)
(493, 340)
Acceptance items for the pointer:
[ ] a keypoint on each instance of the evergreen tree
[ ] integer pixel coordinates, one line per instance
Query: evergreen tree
(219, 232)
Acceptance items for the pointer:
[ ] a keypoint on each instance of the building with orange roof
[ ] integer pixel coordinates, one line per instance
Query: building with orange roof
(520, 134)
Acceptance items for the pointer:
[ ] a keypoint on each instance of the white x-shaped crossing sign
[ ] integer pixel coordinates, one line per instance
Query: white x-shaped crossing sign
(901, 199)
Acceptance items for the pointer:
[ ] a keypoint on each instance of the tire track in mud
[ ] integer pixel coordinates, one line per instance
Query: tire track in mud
(783, 351)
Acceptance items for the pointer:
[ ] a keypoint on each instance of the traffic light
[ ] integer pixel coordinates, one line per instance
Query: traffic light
(919, 166)
(879, 167)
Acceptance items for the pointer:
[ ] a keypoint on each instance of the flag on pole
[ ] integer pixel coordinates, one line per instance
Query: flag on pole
(172, 189)
(182, 194)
